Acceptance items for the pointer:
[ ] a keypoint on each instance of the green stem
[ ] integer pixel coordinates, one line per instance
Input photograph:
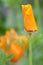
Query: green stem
(29, 52)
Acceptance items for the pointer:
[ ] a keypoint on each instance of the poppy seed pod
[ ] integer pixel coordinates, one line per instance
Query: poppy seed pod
(29, 20)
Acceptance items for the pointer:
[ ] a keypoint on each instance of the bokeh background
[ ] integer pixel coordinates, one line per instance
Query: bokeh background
(11, 17)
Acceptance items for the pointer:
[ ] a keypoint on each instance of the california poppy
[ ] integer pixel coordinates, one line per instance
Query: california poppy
(29, 20)
(17, 47)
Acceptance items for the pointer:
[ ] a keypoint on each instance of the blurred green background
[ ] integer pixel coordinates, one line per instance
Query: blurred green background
(11, 17)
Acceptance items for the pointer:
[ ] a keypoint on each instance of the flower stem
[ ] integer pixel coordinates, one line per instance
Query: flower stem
(29, 51)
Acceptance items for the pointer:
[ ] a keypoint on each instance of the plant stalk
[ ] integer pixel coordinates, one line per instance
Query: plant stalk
(29, 51)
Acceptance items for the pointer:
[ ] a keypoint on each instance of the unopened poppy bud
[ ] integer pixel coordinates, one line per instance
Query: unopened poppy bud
(29, 20)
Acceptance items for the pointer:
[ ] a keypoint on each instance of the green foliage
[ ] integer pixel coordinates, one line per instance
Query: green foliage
(37, 45)
(4, 58)
(12, 3)
(36, 38)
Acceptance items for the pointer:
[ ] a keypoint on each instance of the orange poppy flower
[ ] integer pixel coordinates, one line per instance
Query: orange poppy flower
(29, 20)
(17, 47)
